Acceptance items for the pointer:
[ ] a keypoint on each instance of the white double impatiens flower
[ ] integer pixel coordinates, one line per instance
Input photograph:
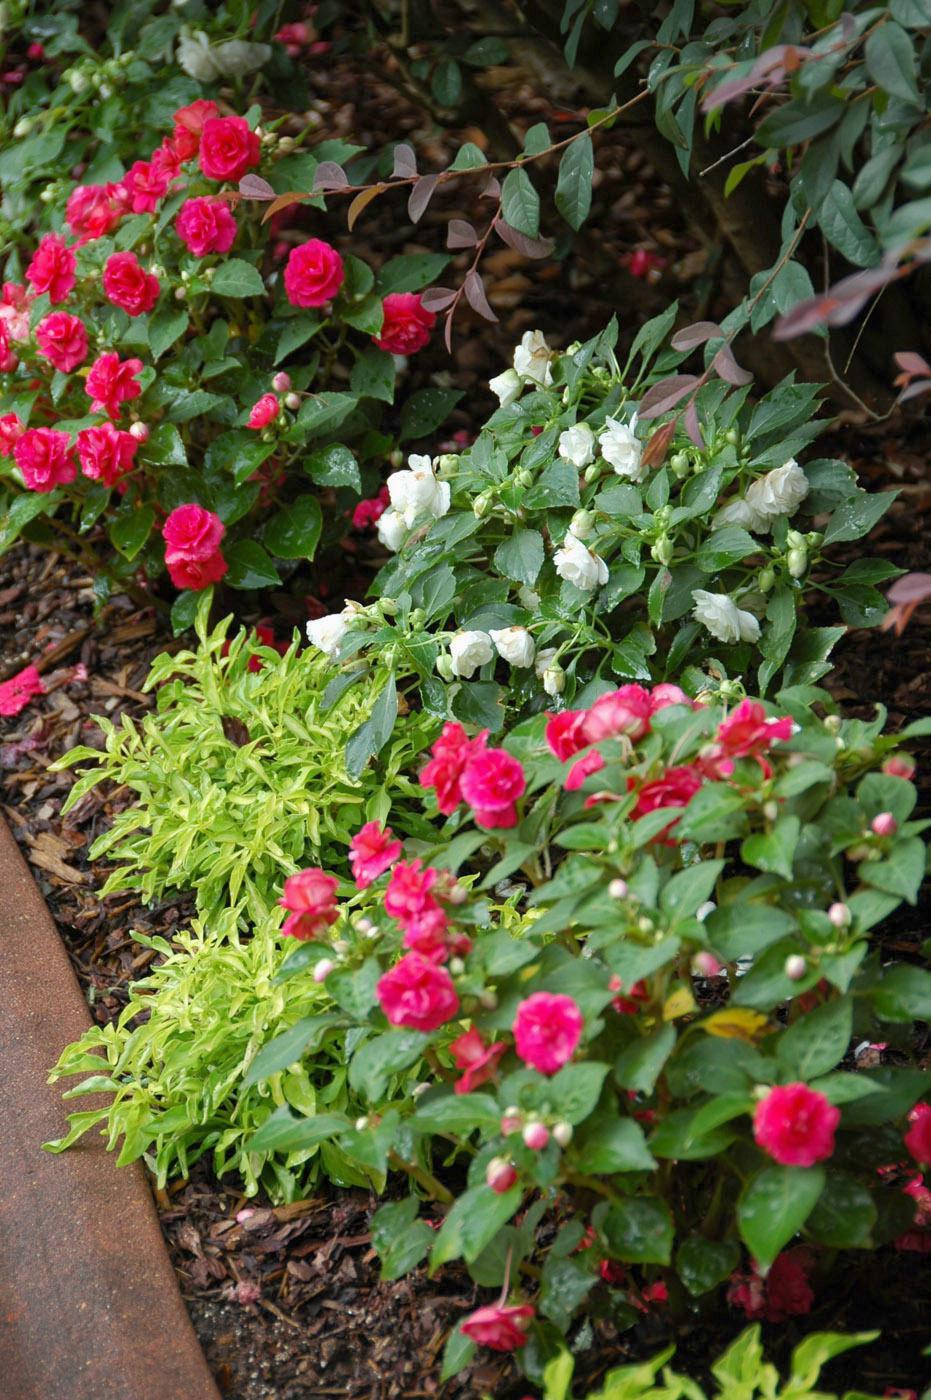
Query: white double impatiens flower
(468, 651)
(391, 530)
(531, 366)
(577, 445)
(327, 633)
(779, 492)
(621, 447)
(416, 494)
(515, 645)
(723, 619)
(578, 564)
(506, 387)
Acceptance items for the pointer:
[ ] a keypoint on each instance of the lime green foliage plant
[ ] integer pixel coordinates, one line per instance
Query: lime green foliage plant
(742, 1373)
(241, 775)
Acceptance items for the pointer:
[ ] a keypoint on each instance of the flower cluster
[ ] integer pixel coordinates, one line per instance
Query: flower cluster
(488, 780)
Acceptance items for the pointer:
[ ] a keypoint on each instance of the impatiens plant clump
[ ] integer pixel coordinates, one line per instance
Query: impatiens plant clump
(140, 379)
(601, 529)
(650, 1091)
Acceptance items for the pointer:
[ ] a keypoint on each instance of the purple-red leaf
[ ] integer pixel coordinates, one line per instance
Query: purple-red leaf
(437, 298)
(839, 304)
(915, 390)
(460, 234)
(492, 190)
(911, 362)
(421, 194)
(666, 394)
(405, 162)
(474, 289)
(330, 176)
(654, 454)
(527, 247)
(254, 187)
(692, 425)
(728, 368)
(696, 334)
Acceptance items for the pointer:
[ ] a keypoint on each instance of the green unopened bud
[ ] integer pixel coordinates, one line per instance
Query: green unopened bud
(447, 462)
(481, 505)
(444, 666)
(797, 562)
(679, 462)
(832, 723)
(814, 539)
(22, 127)
(285, 144)
(581, 523)
(593, 472)
(732, 436)
(180, 293)
(77, 81)
(663, 550)
(523, 478)
(396, 458)
(388, 606)
(417, 618)
(766, 579)
(795, 540)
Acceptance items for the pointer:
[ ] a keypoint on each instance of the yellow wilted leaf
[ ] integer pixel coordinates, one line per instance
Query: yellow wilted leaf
(679, 1003)
(736, 1024)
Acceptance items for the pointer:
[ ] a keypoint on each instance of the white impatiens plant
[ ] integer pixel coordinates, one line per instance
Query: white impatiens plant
(601, 529)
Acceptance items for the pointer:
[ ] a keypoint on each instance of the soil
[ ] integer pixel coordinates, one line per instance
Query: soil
(288, 1302)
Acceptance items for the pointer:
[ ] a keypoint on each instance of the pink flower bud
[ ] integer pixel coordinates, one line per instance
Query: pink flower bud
(140, 431)
(705, 964)
(618, 889)
(500, 1175)
(899, 765)
(562, 1133)
(795, 967)
(839, 915)
(536, 1136)
(292, 401)
(512, 1120)
(281, 382)
(323, 969)
(884, 824)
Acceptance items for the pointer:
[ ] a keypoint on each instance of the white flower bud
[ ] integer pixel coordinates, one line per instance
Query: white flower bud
(323, 968)
(618, 889)
(562, 1133)
(795, 967)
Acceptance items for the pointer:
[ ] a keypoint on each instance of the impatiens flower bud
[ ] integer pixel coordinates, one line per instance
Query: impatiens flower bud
(618, 889)
(536, 1135)
(500, 1175)
(554, 680)
(795, 967)
(581, 523)
(562, 1133)
(899, 765)
(884, 824)
(292, 401)
(140, 431)
(512, 1120)
(705, 964)
(323, 968)
(839, 915)
(361, 1123)
(281, 382)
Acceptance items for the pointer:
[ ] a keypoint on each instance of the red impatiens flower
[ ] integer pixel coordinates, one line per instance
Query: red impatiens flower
(52, 268)
(918, 1137)
(499, 1327)
(478, 1060)
(205, 226)
(46, 458)
(406, 324)
(547, 1029)
(62, 340)
(228, 148)
(451, 752)
(263, 412)
(112, 382)
(127, 284)
(310, 898)
(106, 453)
(795, 1125)
(417, 993)
(783, 1293)
(491, 783)
(371, 852)
(314, 274)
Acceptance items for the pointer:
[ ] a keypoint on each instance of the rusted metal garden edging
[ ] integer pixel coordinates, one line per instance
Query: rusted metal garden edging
(89, 1303)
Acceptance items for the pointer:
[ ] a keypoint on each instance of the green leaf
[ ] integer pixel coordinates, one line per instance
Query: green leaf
(183, 611)
(574, 1091)
(818, 1041)
(298, 1040)
(521, 557)
(458, 1353)
(566, 1283)
(399, 1239)
(425, 410)
(458, 1113)
(165, 327)
(774, 1206)
(129, 532)
(282, 1132)
(370, 738)
(469, 157)
(250, 566)
(473, 1221)
(639, 1231)
(377, 1060)
(904, 994)
(774, 851)
(446, 84)
(703, 1264)
(611, 1144)
(520, 203)
(725, 547)
(293, 533)
(334, 466)
(843, 227)
(297, 331)
(799, 121)
(574, 185)
(239, 452)
(373, 375)
(890, 61)
(411, 272)
(639, 1065)
(856, 516)
(237, 278)
(164, 447)
(844, 1215)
